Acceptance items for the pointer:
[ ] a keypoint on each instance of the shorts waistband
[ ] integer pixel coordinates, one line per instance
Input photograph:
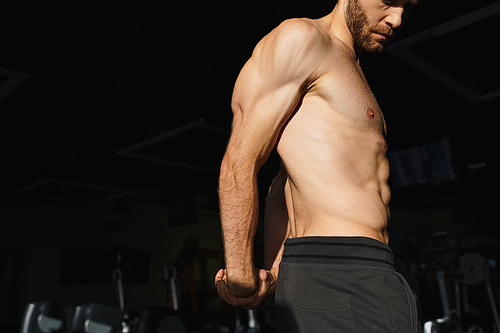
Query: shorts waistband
(362, 251)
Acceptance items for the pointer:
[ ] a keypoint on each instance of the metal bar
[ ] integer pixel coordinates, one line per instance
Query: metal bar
(442, 291)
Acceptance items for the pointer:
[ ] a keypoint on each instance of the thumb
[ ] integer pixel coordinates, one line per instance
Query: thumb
(265, 275)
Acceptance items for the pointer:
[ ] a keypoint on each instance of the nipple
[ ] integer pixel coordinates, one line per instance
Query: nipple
(370, 113)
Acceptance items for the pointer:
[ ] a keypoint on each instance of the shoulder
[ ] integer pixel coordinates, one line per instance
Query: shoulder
(295, 43)
(294, 33)
(298, 28)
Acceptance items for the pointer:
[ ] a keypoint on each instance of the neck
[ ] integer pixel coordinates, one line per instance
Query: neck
(338, 27)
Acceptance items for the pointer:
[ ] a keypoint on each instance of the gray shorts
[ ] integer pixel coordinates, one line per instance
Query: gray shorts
(342, 285)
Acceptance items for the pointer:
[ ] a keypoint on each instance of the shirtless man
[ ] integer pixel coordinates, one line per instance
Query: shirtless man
(326, 216)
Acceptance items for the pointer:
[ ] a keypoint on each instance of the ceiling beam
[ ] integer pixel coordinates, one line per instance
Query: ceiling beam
(401, 51)
(447, 27)
(14, 80)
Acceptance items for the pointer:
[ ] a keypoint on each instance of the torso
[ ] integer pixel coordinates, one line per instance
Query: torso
(334, 152)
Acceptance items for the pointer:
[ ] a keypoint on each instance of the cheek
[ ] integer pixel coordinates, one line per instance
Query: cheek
(375, 14)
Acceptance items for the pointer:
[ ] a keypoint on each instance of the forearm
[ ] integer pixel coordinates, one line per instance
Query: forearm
(239, 215)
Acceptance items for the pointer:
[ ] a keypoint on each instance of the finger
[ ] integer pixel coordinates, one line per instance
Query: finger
(266, 280)
(253, 304)
(219, 276)
(226, 295)
(265, 275)
(223, 291)
(231, 299)
(246, 303)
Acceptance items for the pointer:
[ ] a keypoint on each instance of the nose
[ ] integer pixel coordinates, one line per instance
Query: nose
(394, 18)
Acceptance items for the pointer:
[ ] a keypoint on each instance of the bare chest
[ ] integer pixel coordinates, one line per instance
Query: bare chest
(343, 87)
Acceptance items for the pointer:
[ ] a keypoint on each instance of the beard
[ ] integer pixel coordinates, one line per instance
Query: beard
(357, 22)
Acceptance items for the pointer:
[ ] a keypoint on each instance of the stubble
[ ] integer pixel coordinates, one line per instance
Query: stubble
(357, 22)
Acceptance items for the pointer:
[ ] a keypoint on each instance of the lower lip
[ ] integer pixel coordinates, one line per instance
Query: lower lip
(381, 36)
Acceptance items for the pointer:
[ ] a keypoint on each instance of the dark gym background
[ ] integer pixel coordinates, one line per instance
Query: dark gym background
(114, 116)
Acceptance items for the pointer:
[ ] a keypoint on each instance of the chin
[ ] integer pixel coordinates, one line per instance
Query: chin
(371, 45)
(376, 50)
(374, 47)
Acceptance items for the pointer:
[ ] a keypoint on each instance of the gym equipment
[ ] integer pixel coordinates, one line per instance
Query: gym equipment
(450, 322)
(173, 318)
(118, 279)
(475, 270)
(441, 253)
(117, 275)
(160, 320)
(96, 318)
(172, 271)
(253, 323)
(46, 317)
(174, 285)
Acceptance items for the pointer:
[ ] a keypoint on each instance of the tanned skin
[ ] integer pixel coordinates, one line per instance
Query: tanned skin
(303, 92)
